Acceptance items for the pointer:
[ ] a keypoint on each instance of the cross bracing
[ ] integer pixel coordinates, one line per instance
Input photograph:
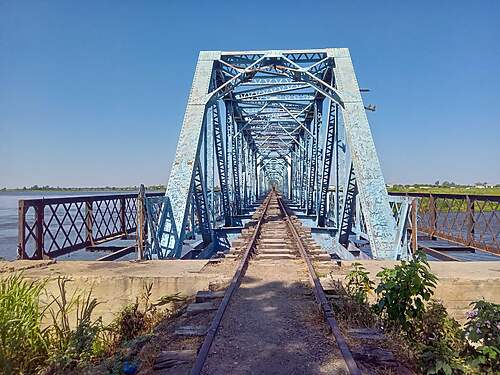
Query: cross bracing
(293, 120)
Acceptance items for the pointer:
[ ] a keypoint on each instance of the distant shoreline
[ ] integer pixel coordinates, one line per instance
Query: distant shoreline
(416, 188)
(59, 189)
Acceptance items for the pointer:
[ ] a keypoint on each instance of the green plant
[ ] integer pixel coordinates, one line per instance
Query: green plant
(440, 342)
(350, 311)
(23, 343)
(358, 283)
(140, 317)
(403, 291)
(483, 329)
(73, 333)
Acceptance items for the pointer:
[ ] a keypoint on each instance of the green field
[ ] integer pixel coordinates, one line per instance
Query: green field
(473, 190)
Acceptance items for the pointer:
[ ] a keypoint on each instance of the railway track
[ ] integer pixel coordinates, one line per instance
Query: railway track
(276, 236)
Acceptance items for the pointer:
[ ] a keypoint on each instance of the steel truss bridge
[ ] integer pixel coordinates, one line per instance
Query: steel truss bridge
(291, 119)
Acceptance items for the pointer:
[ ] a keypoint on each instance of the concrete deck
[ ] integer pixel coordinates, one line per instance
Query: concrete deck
(459, 283)
(116, 284)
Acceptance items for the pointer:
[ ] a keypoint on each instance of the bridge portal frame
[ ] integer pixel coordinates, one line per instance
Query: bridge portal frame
(272, 102)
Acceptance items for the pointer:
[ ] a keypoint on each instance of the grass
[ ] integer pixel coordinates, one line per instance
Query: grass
(23, 343)
(62, 336)
(472, 190)
(433, 342)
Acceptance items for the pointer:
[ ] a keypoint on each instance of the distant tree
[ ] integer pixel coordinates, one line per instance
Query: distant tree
(436, 183)
(448, 184)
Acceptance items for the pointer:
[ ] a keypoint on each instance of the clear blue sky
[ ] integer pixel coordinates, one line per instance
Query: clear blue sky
(93, 92)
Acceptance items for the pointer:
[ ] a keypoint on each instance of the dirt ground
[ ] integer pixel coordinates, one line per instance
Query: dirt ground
(273, 326)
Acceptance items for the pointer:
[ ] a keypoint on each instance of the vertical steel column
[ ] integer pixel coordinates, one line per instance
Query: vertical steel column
(327, 162)
(256, 175)
(200, 199)
(350, 193)
(235, 158)
(182, 173)
(340, 169)
(305, 165)
(221, 164)
(314, 158)
(378, 217)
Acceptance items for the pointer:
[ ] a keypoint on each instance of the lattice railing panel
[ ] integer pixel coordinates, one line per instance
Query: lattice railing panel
(56, 226)
(470, 220)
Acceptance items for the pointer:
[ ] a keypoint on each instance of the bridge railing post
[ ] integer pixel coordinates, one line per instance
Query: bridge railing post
(21, 233)
(89, 222)
(470, 220)
(141, 223)
(433, 216)
(414, 233)
(39, 212)
(123, 217)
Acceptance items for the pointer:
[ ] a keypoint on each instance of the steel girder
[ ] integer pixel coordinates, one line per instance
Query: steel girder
(271, 134)
(221, 162)
(327, 162)
(348, 210)
(200, 200)
(314, 159)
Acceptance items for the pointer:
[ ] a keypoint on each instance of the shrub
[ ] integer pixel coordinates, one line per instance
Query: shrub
(358, 283)
(440, 342)
(71, 347)
(72, 337)
(23, 343)
(483, 329)
(350, 311)
(403, 291)
(141, 316)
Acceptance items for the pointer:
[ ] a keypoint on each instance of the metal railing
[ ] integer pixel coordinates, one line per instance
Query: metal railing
(469, 220)
(56, 226)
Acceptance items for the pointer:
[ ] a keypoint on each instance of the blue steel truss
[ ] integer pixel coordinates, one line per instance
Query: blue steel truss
(221, 162)
(327, 162)
(265, 108)
(162, 233)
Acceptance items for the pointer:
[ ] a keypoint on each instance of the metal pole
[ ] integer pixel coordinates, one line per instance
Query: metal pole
(140, 228)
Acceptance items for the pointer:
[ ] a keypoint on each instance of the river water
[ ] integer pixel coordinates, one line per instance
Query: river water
(9, 220)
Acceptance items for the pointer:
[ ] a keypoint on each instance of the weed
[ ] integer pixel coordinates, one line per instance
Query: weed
(483, 329)
(140, 317)
(23, 343)
(71, 347)
(71, 337)
(350, 311)
(403, 291)
(358, 282)
(440, 342)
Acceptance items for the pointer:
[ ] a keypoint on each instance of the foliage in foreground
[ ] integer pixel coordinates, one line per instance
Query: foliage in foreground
(140, 317)
(403, 291)
(71, 338)
(358, 283)
(440, 344)
(23, 343)
(483, 329)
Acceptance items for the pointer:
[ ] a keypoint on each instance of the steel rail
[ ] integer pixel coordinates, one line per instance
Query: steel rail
(321, 297)
(235, 283)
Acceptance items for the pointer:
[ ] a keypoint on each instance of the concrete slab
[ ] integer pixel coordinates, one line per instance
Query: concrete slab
(117, 284)
(459, 283)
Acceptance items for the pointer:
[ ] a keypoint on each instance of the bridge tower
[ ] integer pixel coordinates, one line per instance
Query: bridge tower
(291, 119)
